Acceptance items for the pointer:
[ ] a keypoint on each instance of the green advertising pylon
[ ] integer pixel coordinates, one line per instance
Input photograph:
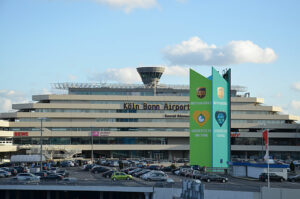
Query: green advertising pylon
(209, 119)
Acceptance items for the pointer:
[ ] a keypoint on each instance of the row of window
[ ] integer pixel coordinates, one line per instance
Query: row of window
(88, 140)
(171, 119)
(53, 110)
(259, 121)
(96, 129)
(276, 155)
(120, 102)
(105, 111)
(272, 141)
(139, 93)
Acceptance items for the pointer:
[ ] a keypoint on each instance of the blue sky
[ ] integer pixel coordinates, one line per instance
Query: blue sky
(49, 41)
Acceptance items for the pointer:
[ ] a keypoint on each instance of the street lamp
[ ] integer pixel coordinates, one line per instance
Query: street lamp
(41, 141)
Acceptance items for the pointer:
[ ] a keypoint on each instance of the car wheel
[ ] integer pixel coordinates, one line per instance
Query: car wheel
(266, 180)
(96, 172)
(114, 179)
(208, 180)
(281, 179)
(223, 181)
(127, 178)
(293, 180)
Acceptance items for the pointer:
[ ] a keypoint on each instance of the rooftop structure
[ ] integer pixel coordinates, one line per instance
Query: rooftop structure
(150, 75)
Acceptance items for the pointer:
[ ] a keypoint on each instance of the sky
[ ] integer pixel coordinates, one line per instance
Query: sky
(50, 41)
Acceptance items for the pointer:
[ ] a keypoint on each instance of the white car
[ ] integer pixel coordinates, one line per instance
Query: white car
(71, 163)
(6, 173)
(28, 177)
(3, 174)
(155, 176)
(146, 175)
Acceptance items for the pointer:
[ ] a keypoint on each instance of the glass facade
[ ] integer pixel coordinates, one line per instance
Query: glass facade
(97, 129)
(89, 140)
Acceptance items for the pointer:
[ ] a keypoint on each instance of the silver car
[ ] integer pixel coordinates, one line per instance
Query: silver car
(156, 176)
(28, 177)
(4, 174)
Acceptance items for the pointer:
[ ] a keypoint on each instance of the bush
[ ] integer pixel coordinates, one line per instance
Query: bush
(173, 166)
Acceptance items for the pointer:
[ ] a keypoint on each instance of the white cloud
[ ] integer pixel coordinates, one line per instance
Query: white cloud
(295, 104)
(9, 97)
(176, 71)
(120, 75)
(128, 5)
(296, 86)
(72, 77)
(196, 52)
(130, 75)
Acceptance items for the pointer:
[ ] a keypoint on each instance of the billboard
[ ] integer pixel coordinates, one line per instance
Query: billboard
(200, 120)
(220, 122)
(209, 120)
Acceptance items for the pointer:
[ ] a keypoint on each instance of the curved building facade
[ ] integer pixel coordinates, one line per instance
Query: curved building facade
(136, 121)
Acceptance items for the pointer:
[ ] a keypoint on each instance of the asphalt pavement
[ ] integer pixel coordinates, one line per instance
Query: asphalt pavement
(86, 178)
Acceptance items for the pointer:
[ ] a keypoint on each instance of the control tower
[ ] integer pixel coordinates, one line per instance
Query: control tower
(150, 75)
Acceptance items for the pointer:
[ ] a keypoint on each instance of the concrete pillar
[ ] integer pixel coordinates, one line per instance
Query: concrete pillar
(101, 195)
(141, 196)
(31, 194)
(147, 195)
(56, 194)
(7, 195)
(48, 195)
(17, 194)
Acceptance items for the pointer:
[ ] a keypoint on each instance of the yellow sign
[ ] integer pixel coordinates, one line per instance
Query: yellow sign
(201, 117)
(221, 92)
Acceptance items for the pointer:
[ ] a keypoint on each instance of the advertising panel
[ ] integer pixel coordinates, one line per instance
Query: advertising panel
(220, 122)
(200, 120)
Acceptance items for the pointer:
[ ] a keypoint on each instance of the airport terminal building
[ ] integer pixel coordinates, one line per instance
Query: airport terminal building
(147, 120)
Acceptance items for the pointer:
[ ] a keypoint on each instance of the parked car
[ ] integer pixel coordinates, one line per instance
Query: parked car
(273, 177)
(88, 167)
(213, 177)
(295, 178)
(154, 167)
(41, 174)
(114, 163)
(155, 176)
(8, 173)
(64, 173)
(20, 169)
(121, 176)
(99, 169)
(11, 170)
(167, 169)
(4, 174)
(68, 163)
(6, 164)
(28, 177)
(196, 167)
(54, 176)
(108, 174)
(53, 170)
(197, 175)
(134, 171)
(142, 172)
(187, 172)
(128, 169)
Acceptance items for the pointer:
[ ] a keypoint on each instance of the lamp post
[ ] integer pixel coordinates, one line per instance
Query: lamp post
(41, 142)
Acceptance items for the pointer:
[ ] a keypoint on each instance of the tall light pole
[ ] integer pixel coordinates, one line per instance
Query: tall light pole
(41, 141)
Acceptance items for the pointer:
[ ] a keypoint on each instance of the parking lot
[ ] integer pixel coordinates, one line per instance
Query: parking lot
(87, 178)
